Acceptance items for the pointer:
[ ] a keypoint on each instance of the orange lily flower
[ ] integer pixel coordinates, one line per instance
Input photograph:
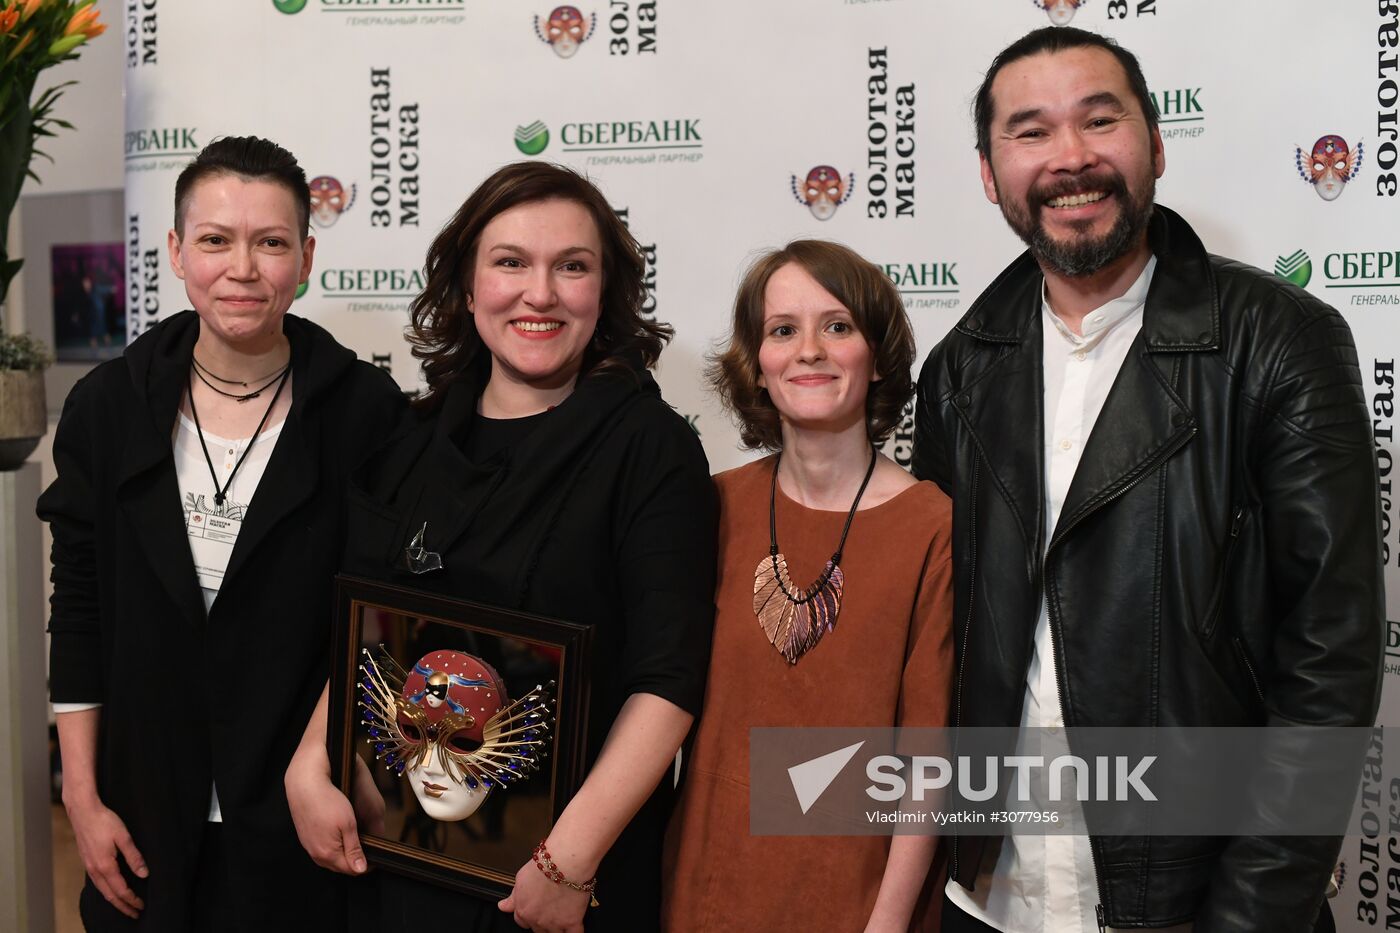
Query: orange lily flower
(8, 18)
(30, 6)
(81, 20)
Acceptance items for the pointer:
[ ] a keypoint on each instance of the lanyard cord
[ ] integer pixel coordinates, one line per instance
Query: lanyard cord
(221, 493)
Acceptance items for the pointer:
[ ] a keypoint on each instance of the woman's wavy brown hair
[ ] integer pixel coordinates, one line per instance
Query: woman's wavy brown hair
(879, 315)
(442, 331)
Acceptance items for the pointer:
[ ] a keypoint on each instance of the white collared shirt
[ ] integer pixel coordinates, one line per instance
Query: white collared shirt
(1046, 884)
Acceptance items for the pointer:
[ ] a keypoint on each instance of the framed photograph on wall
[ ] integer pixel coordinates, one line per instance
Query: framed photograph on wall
(89, 301)
(74, 280)
(471, 722)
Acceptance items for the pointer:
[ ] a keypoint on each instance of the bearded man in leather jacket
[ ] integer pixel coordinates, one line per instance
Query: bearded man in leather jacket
(1165, 502)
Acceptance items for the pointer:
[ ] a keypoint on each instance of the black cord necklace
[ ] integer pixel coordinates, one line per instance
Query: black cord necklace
(199, 371)
(795, 622)
(231, 382)
(221, 493)
(220, 378)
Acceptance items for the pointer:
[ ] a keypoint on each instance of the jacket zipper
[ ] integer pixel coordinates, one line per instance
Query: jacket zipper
(1249, 668)
(1147, 468)
(1054, 658)
(1213, 613)
(967, 626)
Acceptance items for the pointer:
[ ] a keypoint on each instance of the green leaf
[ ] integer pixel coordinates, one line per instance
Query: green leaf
(9, 268)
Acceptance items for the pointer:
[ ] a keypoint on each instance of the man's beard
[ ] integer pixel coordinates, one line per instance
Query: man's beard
(1082, 255)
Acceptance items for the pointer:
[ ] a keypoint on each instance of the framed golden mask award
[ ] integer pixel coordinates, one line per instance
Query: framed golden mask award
(467, 721)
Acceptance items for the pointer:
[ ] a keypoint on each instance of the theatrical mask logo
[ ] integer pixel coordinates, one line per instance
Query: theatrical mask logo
(565, 30)
(1059, 11)
(329, 199)
(823, 191)
(1330, 166)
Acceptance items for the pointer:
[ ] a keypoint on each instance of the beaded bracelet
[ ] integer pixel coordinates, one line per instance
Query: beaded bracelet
(551, 871)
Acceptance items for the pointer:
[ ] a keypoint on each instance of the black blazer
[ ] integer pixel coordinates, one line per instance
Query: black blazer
(189, 698)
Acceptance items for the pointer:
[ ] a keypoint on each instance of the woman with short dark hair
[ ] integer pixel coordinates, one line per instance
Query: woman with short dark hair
(834, 601)
(551, 478)
(197, 518)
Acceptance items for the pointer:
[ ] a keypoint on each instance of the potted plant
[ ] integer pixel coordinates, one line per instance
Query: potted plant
(23, 416)
(34, 35)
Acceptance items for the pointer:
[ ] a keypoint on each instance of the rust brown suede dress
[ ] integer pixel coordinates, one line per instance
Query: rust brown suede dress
(887, 662)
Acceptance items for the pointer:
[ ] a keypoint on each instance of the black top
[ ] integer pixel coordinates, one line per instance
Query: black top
(483, 439)
(599, 512)
(189, 697)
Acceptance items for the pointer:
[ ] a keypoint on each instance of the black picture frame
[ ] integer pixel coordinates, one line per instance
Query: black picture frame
(481, 854)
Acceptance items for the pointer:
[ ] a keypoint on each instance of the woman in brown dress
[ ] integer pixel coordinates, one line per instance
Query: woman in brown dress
(817, 370)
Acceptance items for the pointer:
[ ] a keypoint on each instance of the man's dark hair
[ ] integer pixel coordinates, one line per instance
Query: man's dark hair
(250, 158)
(1050, 39)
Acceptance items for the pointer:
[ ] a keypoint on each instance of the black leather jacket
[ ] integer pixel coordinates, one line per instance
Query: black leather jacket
(1216, 562)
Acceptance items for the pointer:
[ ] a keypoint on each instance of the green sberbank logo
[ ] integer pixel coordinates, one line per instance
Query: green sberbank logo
(1372, 276)
(437, 11)
(930, 284)
(532, 139)
(1296, 268)
(626, 142)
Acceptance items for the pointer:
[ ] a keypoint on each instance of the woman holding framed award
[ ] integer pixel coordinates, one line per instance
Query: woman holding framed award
(546, 477)
(834, 602)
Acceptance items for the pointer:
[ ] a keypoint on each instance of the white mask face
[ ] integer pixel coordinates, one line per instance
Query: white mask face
(438, 794)
(1329, 186)
(1061, 12)
(564, 46)
(823, 208)
(325, 211)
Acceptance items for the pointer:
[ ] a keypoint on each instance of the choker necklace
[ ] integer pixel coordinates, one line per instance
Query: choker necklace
(221, 493)
(232, 382)
(199, 370)
(795, 622)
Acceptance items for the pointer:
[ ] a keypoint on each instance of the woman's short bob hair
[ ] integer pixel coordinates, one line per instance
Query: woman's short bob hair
(877, 309)
(442, 331)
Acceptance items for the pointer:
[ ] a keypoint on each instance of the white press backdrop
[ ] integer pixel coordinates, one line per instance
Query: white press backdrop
(702, 120)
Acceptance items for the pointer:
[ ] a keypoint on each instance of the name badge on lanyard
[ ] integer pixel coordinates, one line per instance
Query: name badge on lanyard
(212, 531)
